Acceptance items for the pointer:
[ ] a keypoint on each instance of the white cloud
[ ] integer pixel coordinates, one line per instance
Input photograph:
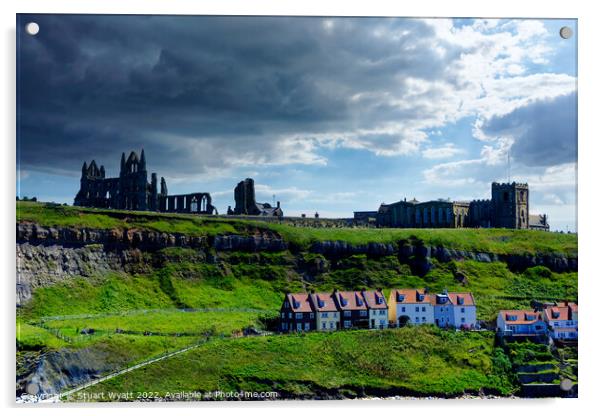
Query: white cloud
(446, 151)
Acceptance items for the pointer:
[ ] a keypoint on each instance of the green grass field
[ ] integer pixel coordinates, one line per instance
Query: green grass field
(418, 360)
(162, 322)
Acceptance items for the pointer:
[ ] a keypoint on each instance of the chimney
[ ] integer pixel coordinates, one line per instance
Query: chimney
(278, 204)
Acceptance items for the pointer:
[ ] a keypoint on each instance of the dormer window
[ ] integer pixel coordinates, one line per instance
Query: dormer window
(529, 317)
(296, 304)
(344, 301)
(419, 297)
(460, 300)
(359, 301)
(379, 300)
(400, 297)
(320, 303)
(511, 317)
(555, 314)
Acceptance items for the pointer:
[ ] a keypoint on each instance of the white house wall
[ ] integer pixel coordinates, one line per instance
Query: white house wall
(410, 311)
(330, 319)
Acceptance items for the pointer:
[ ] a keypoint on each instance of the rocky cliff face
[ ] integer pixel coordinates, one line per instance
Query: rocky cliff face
(54, 371)
(44, 265)
(419, 256)
(46, 255)
(145, 240)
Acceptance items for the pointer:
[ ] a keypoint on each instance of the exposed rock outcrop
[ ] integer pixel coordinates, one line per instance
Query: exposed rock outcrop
(52, 372)
(257, 242)
(342, 248)
(40, 265)
(419, 256)
(111, 238)
(118, 238)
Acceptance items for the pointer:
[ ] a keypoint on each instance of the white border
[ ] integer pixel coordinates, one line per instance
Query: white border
(590, 70)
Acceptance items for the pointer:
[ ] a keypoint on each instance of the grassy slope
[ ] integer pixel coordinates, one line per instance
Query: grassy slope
(423, 360)
(246, 281)
(258, 281)
(498, 241)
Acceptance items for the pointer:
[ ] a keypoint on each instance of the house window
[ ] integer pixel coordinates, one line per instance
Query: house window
(417, 309)
(331, 325)
(347, 324)
(284, 325)
(363, 313)
(298, 327)
(324, 314)
(311, 315)
(403, 308)
(307, 326)
(383, 312)
(347, 314)
(423, 309)
(323, 325)
(290, 315)
(423, 319)
(417, 319)
(462, 310)
(283, 315)
(286, 304)
(463, 320)
(298, 316)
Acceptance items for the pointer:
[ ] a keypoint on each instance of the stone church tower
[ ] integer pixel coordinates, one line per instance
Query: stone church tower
(510, 205)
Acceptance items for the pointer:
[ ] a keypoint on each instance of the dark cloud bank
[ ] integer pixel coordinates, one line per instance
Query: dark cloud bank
(545, 131)
(93, 86)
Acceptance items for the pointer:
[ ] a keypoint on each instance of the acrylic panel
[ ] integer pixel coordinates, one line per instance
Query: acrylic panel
(279, 207)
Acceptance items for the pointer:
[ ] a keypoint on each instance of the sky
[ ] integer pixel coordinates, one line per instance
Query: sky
(332, 115)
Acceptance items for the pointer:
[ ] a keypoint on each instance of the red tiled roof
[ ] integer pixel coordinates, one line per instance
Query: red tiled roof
(466, 296)
(522, 316)
(454, 298)
(299, 302)
(324, 299)
(370, 296)
(410, 295)
(355, 300)
(562, 312)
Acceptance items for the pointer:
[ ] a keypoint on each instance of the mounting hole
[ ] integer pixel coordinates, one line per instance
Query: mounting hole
(566, 385)
(566, 32)
(32, 28)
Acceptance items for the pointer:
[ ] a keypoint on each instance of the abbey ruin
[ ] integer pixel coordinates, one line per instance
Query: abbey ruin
(244, 197)
(132, 191)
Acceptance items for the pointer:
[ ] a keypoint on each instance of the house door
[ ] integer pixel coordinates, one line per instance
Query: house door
(372, 323)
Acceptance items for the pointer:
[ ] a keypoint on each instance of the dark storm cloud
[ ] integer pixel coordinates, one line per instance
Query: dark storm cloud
(545, 131)
(198, 92)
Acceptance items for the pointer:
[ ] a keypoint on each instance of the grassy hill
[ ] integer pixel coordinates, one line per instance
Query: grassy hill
(416, 361)
(138, 315)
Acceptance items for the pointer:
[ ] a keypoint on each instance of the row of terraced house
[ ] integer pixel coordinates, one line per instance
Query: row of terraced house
(558, 322)
(329, 311)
